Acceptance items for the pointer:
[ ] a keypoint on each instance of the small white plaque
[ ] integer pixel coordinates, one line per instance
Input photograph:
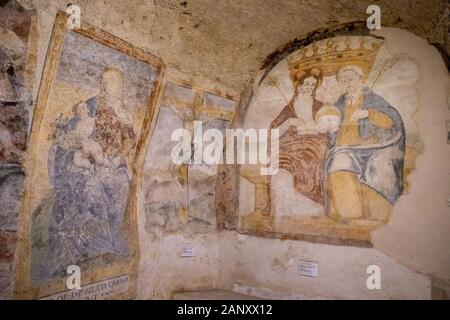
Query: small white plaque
(308, 269)
(187, 250)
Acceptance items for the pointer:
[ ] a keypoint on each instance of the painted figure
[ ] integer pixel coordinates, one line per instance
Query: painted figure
(365, 166)
(88, 148)
(15, 100)
(303, 145)
(90, 178)
(13, 97)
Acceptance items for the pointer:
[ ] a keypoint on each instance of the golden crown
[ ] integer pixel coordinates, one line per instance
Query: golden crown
(331, 54)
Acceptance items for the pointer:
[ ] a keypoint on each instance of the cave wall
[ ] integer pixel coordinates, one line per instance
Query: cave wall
(207, 60)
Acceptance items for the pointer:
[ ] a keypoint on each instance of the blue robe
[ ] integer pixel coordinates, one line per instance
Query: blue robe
(379, 165)
(87, 214)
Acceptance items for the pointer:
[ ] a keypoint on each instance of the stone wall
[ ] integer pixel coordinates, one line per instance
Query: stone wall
(19, 36)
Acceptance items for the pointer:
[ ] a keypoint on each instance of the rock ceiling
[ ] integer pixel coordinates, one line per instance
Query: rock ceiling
(227, 40)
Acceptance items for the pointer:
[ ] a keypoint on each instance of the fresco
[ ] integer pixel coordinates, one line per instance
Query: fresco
(87, 160)
(17, 54)
(18, 47)
(96, 95)
(343, 107)
(182, 196)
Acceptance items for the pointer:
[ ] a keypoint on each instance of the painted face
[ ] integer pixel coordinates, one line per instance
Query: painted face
(6, 89)
(189, 114)
(308, 86)
(350, 81)
(329, 122)
(5, 62)
(112, 83)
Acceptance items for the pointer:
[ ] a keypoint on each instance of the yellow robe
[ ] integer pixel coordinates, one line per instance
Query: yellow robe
(347, 197)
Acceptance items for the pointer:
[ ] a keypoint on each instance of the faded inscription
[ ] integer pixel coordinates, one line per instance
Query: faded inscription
(95, 291)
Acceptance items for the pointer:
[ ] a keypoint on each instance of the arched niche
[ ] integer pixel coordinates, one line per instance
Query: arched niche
(344, 106)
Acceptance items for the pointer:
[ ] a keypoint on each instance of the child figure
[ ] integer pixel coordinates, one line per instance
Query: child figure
(87, 148)
(328, 119)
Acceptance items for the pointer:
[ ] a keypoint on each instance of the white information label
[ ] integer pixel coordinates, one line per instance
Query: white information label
(187, 250)
(308, 269)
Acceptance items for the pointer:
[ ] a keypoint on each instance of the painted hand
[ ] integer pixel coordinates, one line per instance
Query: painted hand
(296, 122)
(358, 115)
(321, 128)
